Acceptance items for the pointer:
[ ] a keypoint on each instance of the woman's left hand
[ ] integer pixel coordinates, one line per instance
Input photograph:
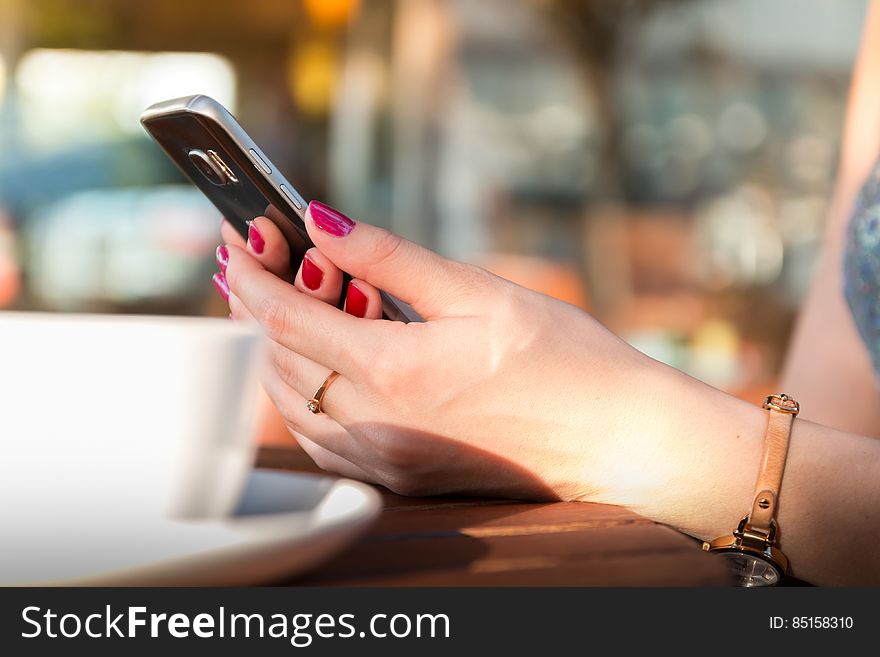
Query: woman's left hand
(500, 391)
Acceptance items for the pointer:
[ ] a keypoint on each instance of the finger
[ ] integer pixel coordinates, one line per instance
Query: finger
(304, 325)
(319, 278)
(327, 460)
(305, 377)
(321, 428)
(230, 234)
(431, 284)
(320, 434)
(267, 244)
(363, 300)
(238, 311)
(221, 285)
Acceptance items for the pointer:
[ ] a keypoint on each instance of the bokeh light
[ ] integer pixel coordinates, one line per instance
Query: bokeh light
(741, 127)
(103, 92)
(330, 13)
(311, 76)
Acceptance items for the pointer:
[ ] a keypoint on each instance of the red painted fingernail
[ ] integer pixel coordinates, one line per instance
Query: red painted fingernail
(222, 286)
(222, 257)
(311, 274)
(255, 239)
(355, 301)
(329, 220)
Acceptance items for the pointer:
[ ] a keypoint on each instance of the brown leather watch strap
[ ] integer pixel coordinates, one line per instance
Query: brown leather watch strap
(782, 410)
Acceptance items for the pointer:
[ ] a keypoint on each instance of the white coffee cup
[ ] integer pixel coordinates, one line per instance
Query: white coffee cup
(106, 416)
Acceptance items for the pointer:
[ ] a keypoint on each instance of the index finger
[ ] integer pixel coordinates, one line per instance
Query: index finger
(295, 320)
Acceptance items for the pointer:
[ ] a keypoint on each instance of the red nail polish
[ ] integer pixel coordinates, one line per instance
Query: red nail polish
(355, 301)
(255, 239)
(222, 286)
(329, 220)
(222, 257)
(311, 274)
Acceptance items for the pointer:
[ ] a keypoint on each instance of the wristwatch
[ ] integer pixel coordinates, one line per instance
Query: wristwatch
(751, 549)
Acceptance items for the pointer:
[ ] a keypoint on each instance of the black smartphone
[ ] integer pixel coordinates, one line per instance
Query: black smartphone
(215, 153)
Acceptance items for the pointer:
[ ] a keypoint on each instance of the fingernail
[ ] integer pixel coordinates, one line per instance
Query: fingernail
(222, 286)
(255, 239)
(329, 220)
(355, 301)
(232, 317)
(223, 257)
(311, 274)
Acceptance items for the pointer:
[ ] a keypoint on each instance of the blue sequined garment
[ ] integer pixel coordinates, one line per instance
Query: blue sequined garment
(862, 265)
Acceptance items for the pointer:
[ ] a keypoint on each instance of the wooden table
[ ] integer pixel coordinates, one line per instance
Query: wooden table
(487, 542)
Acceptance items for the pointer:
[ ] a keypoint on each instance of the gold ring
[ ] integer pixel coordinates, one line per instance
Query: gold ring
(314, 404)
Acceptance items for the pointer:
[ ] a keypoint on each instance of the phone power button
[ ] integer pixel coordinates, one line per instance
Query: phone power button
(293, 199)
(261, 164)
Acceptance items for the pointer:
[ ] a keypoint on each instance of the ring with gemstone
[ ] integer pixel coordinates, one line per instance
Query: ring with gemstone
(314, 404)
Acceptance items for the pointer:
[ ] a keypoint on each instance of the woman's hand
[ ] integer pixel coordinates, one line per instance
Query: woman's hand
(500, 391)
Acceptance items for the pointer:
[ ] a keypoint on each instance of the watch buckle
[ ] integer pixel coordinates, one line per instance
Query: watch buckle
(755, 539)
(782, 403)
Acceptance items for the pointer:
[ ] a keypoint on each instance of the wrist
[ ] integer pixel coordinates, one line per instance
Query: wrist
(690, 456)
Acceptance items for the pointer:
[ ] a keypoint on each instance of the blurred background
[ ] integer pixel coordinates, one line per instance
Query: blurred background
(666, 165)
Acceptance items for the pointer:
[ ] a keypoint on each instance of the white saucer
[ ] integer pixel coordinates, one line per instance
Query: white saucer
(285, 524)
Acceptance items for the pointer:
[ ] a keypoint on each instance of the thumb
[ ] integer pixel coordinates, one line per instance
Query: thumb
(425, 280)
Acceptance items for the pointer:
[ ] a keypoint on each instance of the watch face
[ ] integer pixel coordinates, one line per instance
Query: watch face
(749, 570)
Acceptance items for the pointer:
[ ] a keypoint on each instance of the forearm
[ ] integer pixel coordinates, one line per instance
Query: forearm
(832, 378)
(707, 447)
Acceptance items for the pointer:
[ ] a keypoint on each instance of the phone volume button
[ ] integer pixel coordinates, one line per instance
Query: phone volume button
(289, 194)
(260, 162)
